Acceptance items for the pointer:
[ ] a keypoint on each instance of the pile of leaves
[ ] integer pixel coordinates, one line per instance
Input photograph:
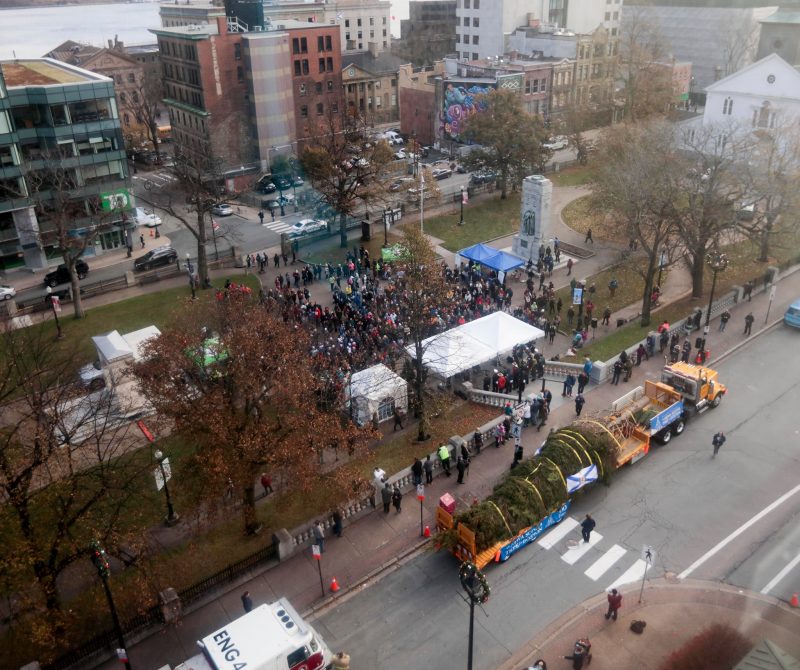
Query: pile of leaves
(537, 486)
(718, 646)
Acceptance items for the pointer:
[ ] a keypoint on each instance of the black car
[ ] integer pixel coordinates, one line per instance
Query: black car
(155, 258)
(61, 274)
(282, 182)
(267, 187)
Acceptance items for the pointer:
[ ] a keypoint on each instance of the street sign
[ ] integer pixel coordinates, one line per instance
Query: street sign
(420, 492)
(113, 201)
(577, 296)
(145, 431)
(648, 554)
(161, 472)
(315, 551)
(55, 301)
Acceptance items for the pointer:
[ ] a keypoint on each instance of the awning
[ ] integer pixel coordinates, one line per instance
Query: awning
(495, 259)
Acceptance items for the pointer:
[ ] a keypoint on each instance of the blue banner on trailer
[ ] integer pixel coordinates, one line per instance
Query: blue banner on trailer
(668, 416)
(534, 532)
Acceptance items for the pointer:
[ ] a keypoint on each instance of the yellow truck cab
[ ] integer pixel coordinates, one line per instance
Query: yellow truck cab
(698, 385)
(271, 637)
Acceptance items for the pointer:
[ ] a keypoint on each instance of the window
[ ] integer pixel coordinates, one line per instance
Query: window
(335, 107)
(727, 106)
(372, 34)
(322, 65)
(384, 32)
(371, 21)
(458, 38)
(466, 4)
(302, 89)
(359, 23)
(475, 39)
(328, 43)
(318, 87)
(329, 64)
(608, 16)
(131, 78)
(240, 74)
(320, 43)
(304, 111)
(474, 56)
(616, 16)
(466, 39)
(543, 85)
(466, 21)
(237, 52)
(296, 45)
(476, 4)
(297, 68)
(305, 66)
(385, 44)
(122, 97)
(320, 109)
(347, 23)
(476, 22)
(304, 45)
(384, 20)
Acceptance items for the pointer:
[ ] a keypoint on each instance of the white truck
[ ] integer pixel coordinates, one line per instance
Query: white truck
(271, 637)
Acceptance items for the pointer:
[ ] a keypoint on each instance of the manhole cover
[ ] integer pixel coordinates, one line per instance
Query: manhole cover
(571, 544)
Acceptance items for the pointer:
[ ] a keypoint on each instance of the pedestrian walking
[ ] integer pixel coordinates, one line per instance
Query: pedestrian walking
(266, 482)
(428, 467)
(614, 603)
(613, 285)
(397, 498)
(583, 380)
(517, 453)
(386, 497)
(398, 419)
(570, 263)
(319, 536)
(616, 372)
(538, 665)
(580, 655)
(588, 236)
(717, 441)
(341, 661)
(748, 323)
(580, 401)
(477, 440)
(416, 472)
(247, 602)
(587, 526)
(748, 291)
(261, 216)
(444, 457)
(337, 521)
(141, 240)
(461, 467)
(723, 320)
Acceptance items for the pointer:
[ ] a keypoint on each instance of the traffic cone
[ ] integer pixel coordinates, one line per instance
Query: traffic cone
(794, 602)
(152, 233)
(427, 532)
(334, 585)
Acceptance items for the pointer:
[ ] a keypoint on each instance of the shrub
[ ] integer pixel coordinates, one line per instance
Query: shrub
(718, 647)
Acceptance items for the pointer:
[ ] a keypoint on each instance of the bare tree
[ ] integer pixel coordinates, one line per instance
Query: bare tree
(639, 181)
(769, 175)
(68, 469)
(737, 41)
(647, 84)
(144, 102)
(345, 166)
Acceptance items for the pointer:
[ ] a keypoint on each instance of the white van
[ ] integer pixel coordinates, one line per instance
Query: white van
(271, 637)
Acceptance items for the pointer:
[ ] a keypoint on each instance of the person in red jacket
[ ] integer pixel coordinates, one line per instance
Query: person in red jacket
(614, 603)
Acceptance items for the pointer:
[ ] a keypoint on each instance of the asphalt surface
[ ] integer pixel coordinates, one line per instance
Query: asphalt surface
(678, 500)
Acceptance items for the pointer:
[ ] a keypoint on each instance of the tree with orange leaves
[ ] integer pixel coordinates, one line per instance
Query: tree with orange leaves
(238, 379)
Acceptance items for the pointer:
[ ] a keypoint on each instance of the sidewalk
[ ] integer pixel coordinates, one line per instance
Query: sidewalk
(674, 612)
(377, 543)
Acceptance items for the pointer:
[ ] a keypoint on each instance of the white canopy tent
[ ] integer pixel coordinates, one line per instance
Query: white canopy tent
(376, 389)
(476, 342)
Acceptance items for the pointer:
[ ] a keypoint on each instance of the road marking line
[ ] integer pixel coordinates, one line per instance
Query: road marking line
(741, 529)
(572, 554)
(777, 578)
(558, 533)
(599, 567)
(632, 574)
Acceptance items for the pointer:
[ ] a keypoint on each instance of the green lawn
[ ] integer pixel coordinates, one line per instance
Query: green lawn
(483, 220)
(573, 176)
(126, 315)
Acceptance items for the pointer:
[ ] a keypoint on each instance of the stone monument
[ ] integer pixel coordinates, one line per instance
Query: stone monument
(535, 224)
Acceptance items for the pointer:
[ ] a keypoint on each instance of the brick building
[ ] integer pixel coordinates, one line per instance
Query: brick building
(417, 87)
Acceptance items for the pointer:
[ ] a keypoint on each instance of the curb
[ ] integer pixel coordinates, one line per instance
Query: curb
(319, 608)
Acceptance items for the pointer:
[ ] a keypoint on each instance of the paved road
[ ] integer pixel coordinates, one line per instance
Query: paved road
(678, 500)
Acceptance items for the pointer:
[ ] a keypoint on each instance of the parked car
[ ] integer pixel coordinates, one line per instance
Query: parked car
(7, 292)
(441, 173)
(398, 184)
(306, 226)
(222, 209)
(556, 143)
(792, 315)
(146, 217)
(156, 258)
(400, 155)
(298, 181)
(61, 274)
(267, 187)
(282, 182)
(482, 177)
(286, 200)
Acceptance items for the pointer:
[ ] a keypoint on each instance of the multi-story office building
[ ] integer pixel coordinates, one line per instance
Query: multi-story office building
(429, 34)
(59, 127)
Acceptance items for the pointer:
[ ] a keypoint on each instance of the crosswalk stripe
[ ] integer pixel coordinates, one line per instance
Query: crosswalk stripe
(632, 574)
(598, 568)
(777, 578)
(278, 228)
(572, 554)
(558, 533)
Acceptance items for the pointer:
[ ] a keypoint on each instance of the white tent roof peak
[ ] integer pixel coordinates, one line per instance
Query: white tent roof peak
(376, 382)
(113, 346)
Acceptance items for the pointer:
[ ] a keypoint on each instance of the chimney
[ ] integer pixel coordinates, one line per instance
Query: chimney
(532, 22)
(222, 25)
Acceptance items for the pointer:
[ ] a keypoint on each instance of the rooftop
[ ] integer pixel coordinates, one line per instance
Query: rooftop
(45, 72)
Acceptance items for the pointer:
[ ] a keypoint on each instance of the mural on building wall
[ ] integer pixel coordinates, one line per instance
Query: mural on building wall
(459, 104)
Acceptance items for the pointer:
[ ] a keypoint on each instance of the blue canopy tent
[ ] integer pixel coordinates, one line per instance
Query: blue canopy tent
(491, 257)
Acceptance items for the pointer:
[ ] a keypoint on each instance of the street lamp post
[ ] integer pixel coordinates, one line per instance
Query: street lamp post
(718, 262)
(53, 300)
(385, 228)
(461, 222)
(100, 561)
(163, 466)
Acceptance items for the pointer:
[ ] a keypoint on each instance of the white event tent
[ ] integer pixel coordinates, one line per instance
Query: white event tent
(376, 389)
(476, 342)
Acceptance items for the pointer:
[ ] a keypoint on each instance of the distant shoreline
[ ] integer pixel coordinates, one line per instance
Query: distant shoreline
(38, 4)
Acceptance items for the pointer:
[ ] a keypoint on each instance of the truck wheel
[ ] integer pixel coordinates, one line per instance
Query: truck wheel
(717, 400)
(679, 427)
(665, 437)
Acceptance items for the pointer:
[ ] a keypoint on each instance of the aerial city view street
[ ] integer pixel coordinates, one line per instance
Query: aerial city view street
(376, 335)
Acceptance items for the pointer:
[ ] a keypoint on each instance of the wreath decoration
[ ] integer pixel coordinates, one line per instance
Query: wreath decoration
(474, 582)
